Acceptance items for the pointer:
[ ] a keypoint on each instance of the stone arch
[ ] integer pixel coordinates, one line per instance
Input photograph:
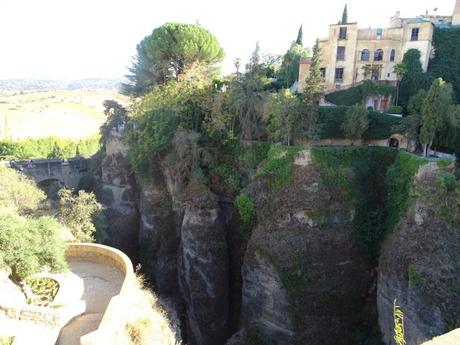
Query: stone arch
(51, 187)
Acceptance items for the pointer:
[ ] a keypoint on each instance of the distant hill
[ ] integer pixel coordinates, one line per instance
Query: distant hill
(12, 85)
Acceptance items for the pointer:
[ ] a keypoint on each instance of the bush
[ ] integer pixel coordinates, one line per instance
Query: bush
(29, 245)
(77, 212)
(19, 192)
(356, 122)
(279, 165)
(395, 109)
(246, 208)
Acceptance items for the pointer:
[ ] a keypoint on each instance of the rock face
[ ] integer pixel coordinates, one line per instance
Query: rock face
(302, 270)
(117, 190)
(419, 269)
(204, 272)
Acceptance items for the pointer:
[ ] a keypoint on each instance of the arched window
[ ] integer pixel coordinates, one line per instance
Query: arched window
(378, 55)
(393, 55)
(365, 55)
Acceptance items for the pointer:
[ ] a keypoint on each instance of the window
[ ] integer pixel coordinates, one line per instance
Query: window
(365, 55)
(414, 34)
(340, 53)
(323, 72)
(339, 74)
(343, 34)
(378, 55)
(375, 74)
(393, 55)
(379, 33)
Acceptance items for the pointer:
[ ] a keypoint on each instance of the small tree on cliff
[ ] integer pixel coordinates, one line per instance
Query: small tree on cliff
(435, 112)
(356, 122)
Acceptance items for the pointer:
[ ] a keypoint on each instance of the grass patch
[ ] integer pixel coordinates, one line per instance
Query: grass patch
(279, 165)
(44, 289)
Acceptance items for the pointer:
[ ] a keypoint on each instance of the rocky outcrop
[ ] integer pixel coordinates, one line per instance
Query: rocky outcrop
(204, 270)
(419, 268)
(117, 190)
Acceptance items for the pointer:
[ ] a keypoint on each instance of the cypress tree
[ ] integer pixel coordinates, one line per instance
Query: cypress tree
(299, 39)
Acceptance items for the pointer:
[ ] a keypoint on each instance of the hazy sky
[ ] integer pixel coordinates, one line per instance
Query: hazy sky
(69, 39)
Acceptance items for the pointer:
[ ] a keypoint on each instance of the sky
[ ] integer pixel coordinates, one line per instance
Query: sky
(74, 39)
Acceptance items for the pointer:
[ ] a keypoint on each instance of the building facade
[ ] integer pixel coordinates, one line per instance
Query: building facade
(351, 55)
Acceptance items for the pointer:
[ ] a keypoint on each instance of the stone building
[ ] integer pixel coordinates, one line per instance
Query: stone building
(351, 55)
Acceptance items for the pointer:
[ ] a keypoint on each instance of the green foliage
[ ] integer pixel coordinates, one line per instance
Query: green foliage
(19, 192)
(436, 108)
(399, 184)
(246, 208)
(279, 165)
(356, 122)
(284, 115)
(170, 52)
(414, 277)
(6, 341)
(29, 245)
(289, 71)
(116, 119)
(379, 187)
(77, 212)
(51, 147)
(445, 63)
(395, 109)
(413, 78)
(358, 94)
(44, 289)
(158, 117)
(330, 120)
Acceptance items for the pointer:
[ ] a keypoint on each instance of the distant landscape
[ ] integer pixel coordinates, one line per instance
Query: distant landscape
(41, 108)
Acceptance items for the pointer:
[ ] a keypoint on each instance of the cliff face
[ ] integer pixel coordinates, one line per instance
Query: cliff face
(303, 276)
(301, 269)
(419, 269)
(117, 190)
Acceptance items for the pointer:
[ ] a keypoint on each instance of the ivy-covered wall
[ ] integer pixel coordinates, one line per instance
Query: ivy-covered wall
(379, 186)
(330, 120)
(356, 95)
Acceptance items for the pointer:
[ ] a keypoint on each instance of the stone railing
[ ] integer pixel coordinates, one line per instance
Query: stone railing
(113, 321)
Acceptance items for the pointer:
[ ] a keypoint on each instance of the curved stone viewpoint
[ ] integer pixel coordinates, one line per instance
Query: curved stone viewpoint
(89, 307)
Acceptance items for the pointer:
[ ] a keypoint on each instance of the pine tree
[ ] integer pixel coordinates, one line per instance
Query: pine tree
(299, 39)
(345, 15)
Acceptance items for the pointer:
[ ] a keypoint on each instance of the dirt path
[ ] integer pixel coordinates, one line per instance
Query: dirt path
(96, 285)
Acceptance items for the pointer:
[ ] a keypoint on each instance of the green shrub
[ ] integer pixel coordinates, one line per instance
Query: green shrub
(77, 212)
(44, 289)
(246, 208)
(29, 245)
(19, 192)
(357, 95)
(395, 109)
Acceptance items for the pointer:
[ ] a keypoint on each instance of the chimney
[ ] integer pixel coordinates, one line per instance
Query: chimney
(456, 14)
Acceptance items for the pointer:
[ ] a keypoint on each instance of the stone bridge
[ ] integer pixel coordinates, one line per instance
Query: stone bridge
(65, 172)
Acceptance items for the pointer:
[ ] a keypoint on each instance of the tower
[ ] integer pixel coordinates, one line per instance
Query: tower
(456, 14)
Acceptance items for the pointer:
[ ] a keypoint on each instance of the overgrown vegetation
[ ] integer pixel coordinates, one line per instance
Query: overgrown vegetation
(358, 94)
(51, 147)
(377, 181)
(28, 245)
(279, 165)
(78, 213)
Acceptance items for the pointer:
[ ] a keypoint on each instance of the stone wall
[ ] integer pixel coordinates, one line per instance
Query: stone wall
(113, 322)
